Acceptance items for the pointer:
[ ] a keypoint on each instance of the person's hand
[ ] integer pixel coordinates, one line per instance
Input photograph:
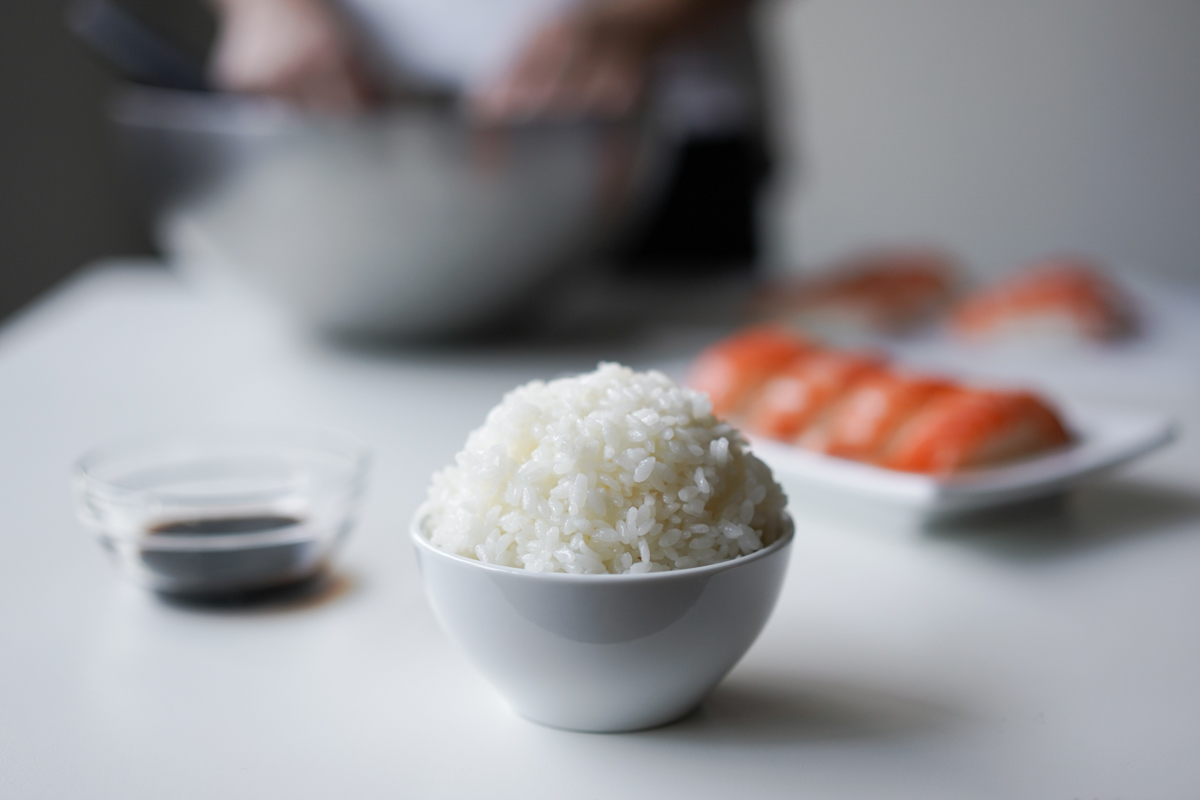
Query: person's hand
(571, 67)
(296, 50)
(591, 61)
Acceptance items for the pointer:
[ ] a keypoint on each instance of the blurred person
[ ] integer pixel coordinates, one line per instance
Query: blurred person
(690, 63)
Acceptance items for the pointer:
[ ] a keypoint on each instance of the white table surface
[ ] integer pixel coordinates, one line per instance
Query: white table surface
(1053, 656)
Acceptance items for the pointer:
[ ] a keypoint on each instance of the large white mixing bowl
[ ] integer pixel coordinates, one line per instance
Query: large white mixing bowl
(410, 222)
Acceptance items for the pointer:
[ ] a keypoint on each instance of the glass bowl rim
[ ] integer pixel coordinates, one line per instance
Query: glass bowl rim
(180, 445)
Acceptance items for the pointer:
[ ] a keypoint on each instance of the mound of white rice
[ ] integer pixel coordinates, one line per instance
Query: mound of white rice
(613, 471)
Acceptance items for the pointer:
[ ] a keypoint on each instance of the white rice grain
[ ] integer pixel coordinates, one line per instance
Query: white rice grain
(612, 471)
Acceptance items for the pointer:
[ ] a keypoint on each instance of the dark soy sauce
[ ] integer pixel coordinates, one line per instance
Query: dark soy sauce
(220, 525)
(205, 572)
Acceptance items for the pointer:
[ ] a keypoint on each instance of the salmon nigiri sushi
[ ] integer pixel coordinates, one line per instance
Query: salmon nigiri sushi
(733, 370)
(970, 428)
(1063, 296)
(792, 401)
(865, 421)
(885, 290)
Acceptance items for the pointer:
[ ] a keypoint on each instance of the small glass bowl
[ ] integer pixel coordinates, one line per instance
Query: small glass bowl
(215, 512)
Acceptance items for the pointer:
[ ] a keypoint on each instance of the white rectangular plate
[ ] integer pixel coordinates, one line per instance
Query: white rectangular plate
(1105, 440)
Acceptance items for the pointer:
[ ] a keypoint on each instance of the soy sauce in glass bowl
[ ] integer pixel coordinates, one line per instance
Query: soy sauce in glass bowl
(215, 513)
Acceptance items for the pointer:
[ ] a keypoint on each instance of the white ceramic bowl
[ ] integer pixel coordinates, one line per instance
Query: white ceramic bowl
(603, 653)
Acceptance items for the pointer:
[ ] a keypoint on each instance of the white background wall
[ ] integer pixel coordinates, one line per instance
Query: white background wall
(1003, 129)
